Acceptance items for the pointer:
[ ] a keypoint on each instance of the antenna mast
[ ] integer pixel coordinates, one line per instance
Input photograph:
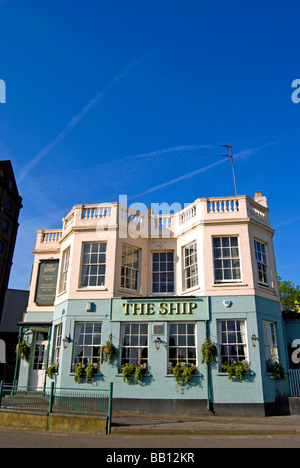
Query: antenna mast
(230, 156)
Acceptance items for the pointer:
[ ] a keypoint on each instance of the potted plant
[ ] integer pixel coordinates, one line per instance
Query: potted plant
(79, 371)
(108, 352)
(183, 372)
(276, 369)
(139, 372)
(127, 371)
(52, 370)
(24, 350)
(209, 351)
(90, 370)
(236, 369)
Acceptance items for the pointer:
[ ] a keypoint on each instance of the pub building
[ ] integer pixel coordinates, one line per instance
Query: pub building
(159, 289)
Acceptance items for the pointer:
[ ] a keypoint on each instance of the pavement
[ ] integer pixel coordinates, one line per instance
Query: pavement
(166, 424)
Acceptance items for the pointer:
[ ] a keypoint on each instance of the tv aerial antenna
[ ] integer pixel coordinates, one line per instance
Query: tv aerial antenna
(228, 155)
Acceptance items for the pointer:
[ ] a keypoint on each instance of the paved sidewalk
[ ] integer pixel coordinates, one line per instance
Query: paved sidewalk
(156, 424)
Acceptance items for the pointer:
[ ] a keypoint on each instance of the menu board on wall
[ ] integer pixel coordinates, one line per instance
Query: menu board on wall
(46, 283)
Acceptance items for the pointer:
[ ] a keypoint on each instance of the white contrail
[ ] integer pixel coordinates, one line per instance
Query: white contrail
(78, 117)
(178, 179)
(241, 154)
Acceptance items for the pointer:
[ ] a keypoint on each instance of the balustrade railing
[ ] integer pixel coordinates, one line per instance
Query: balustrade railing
(162, 225)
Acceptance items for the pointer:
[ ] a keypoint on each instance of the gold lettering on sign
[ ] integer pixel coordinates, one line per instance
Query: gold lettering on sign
(126, 305)
(192, 306)
(164, 308)
(150, 310)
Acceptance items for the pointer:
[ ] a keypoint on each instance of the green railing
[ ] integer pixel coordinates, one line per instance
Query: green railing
(51, 400)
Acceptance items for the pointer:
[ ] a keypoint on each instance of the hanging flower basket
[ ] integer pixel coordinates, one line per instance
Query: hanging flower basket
(108, 352)
(276, 369)
(52, 371)
(24, 351)
(209, 352)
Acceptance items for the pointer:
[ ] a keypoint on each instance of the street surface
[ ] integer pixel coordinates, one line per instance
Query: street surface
(10, 438)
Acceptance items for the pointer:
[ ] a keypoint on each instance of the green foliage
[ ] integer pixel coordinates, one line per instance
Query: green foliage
(127, 370)
(276, 369)
(235, 369)
(88, 372)
(289, 295)
(52, 370)
(209, 351)
(79, 370)
(24, 351)
(108, 352)
(138, 371)
(183, 372)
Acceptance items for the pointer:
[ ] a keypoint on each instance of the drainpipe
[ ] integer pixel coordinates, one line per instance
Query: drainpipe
(48, 353)
(17, 357)
(207, 373)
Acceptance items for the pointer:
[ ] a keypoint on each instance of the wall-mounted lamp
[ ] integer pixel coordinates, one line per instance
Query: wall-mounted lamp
(254, 340)
(157, 342)
(66, 341)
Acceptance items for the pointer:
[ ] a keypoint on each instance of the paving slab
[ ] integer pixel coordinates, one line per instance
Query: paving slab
(154, 424)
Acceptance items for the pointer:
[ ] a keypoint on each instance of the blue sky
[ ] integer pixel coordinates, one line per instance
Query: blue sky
(124, 97)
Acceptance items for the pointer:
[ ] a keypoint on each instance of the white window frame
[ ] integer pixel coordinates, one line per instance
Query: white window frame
(58, 337)
(64, 271)
(163, 273)
(130, 272)
(261, 262)
(92, 269)
(229, 259)
(184, 340)
(270, 341)
(88, 340)
(132, 344)
(230, 337)
(187, 267)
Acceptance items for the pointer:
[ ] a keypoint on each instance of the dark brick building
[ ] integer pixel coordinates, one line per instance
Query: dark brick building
(10, 206)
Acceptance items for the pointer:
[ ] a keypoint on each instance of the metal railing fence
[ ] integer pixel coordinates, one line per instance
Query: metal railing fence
(52, 400)
(290, 385)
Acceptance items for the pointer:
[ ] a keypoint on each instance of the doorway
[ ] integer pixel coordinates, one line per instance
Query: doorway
(37, 376)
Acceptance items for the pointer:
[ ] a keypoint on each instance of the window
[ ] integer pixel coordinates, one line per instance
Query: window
(261, 261)
(190, 266)
(226, 259)
(271, 351)
(182, 343)
(130, 268)
(93, 264)
(232, 341)
(134, 344)
(87, 343)
(57, 343)
(65, 269)
(9, 205)
(163, 272)
(39, 357)
(5, 225)
(1, 247)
